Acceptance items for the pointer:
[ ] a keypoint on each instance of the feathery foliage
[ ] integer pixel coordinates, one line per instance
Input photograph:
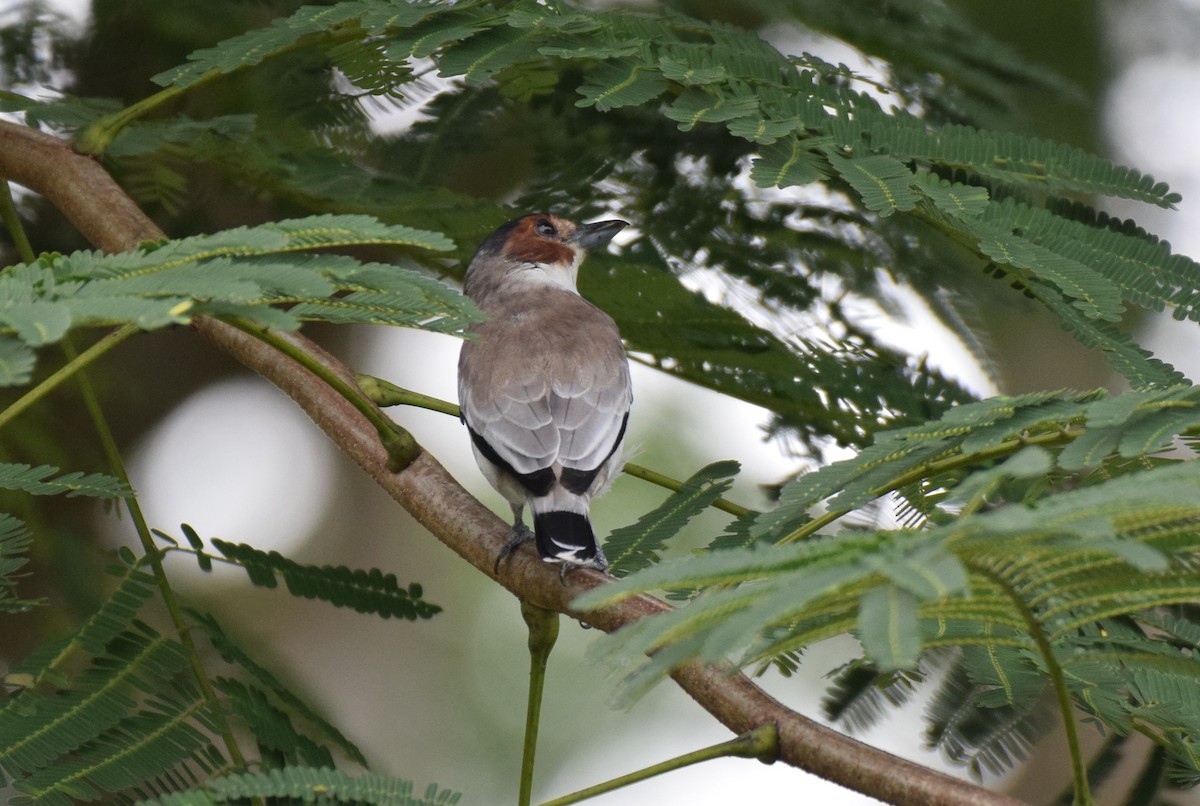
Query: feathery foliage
(116, 711)
(34, 480)
(1049, 542)
(14, 543)
(1057, 545)
(307, 784)
(365, 591)
(680, 83)
(239, 272)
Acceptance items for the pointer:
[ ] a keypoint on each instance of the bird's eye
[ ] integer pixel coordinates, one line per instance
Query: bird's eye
(545, 228)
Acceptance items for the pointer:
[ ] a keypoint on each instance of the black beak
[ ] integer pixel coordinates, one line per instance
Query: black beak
(594, 236)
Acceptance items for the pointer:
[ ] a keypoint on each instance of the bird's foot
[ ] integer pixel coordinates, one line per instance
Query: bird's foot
(597, 563)
(520, 534)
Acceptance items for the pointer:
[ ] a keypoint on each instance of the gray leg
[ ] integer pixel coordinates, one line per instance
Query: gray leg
(520, 534)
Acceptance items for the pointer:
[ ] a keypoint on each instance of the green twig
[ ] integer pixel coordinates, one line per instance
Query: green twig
(402, 449)
(12, 222)
(543, 632)
(96, 137)
(64, 372)
(654, 477)
(383, 393)
(1083, 794)
(761, 743)
(154, 557)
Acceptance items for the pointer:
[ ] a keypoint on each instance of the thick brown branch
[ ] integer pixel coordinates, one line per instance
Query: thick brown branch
(86, 194)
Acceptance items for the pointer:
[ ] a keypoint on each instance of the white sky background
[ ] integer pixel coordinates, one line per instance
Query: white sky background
(184, 472)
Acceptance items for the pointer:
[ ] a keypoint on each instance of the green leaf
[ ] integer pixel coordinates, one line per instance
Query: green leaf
(16, 361)
(145, 138)
(36, 480)
(238, 272)
(884, 182)
(618, 84)
(953, 198)
(1092, 293)
(14, 543)
(258, 44)
(231, 652)
(483, 55)
(888, 628)
(631, 548)
(365, 591)
(694, 107)
(928, 573)
(786, 163)
(306, 784)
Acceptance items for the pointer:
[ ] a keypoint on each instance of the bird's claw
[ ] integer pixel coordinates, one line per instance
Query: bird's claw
(597, 563)
(520, 534)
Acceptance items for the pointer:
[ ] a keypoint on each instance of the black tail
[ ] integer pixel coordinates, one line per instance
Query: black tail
(565, 536)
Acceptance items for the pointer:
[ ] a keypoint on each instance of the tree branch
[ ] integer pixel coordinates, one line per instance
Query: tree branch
(84, 192)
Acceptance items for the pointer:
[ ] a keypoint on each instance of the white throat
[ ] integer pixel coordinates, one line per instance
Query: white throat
(555, 275)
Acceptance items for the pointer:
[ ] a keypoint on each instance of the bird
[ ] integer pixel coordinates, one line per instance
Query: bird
(544, 386)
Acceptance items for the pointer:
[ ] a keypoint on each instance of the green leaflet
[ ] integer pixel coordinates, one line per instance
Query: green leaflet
(308, 784)
(885, 183)
(614, 85)
(887, 627)
(1092, 293)
(790, 161)
(253, 46)
(695, 107)
(275, 689)
(364, 591)
(17, 360)
(14, 543)
(130, 721)
(1084, 429)
(35, 480)
(953, 198)
(102, 736)
(631, 548)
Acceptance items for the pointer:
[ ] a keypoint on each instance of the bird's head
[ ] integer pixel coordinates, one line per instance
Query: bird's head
(538, 249)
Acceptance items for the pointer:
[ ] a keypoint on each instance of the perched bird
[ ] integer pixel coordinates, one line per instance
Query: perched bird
(545, 389)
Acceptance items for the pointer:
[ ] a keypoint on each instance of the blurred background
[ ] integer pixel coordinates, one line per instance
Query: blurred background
(207, 443)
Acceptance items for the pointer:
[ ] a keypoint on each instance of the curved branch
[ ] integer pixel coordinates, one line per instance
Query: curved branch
(96, 205)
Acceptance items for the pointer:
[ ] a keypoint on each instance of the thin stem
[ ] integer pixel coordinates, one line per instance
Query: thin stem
(761, 743)
(154, 556)
(543, 632)
(73, 366)
(402, 449)
(99, 134)
(12, 222)
(654, 477)
(383, 393)
(1083, 794)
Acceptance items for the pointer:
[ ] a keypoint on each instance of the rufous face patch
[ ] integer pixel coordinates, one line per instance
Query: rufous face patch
(538, 239)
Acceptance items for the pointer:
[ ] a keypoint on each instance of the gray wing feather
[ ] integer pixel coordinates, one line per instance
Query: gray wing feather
(591, 421)
(520, 431)
(533, 425)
